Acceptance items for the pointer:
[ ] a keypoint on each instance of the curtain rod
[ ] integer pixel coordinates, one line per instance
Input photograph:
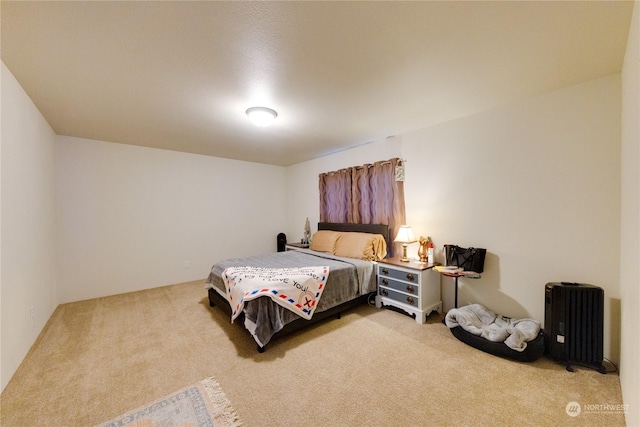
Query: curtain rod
(368, 165)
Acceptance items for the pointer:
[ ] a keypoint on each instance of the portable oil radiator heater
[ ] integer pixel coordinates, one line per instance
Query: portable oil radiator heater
(574, 324)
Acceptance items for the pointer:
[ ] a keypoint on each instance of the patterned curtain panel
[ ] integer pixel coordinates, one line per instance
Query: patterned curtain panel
(367, 194)
(335, 196)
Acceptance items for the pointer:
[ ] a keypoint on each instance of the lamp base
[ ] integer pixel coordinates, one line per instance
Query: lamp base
(404, 253)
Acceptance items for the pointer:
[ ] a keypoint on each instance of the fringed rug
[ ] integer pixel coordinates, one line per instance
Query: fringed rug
(201, 404)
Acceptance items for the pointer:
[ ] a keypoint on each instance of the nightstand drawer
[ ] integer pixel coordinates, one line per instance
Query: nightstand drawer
(399, 286)
(397, 296)
(398, 274)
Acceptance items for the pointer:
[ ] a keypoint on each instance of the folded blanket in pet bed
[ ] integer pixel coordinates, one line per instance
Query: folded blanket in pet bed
(475, 325)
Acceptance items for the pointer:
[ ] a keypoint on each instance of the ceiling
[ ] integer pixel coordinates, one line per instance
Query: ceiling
(180, 75)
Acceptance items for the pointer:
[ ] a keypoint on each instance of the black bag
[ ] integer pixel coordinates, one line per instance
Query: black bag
(469, 259)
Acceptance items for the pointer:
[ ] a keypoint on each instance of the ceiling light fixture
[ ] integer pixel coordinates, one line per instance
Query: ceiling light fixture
(261, 116)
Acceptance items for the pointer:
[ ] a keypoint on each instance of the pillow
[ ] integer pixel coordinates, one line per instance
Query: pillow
(325, 241)
(367, 246)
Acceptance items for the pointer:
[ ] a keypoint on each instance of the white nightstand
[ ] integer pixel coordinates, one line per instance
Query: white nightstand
(295, 245)
(410, 286)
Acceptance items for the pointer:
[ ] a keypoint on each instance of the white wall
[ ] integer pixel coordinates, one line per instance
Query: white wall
(28, 274)
(630, 224)
(130, 217)
(537, 183)
(2, 380)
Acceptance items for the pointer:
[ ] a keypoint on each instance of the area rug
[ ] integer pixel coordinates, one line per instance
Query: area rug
(201, 404)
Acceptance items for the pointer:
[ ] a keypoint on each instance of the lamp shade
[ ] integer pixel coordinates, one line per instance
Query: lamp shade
(405, 235)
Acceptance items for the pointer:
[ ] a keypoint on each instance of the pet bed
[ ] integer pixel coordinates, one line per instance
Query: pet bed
(517, 339)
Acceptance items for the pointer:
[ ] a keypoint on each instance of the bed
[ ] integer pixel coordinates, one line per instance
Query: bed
(351, 281)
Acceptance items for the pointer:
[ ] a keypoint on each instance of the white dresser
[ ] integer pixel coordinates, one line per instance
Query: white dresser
(409, 286)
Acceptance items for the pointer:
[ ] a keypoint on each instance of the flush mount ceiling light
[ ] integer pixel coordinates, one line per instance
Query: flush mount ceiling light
(261, 116)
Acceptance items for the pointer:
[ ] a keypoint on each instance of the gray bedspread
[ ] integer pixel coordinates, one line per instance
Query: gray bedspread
(348, 279)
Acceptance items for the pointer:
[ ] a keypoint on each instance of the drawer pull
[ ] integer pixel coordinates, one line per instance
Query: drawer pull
(385, 271)
(411, 277)
(410, 300)
(385, 282)
(410, 289)
(384, 292)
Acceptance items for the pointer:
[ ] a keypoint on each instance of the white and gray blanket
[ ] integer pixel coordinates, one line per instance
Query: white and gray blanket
(298, 289)
(478, 320)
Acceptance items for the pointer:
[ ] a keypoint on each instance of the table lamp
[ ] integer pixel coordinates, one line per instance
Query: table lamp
(405, 236)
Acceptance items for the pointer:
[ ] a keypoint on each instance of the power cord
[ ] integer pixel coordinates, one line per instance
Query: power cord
(615, 368)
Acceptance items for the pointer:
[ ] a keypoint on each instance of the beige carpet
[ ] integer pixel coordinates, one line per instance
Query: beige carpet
(100, 358)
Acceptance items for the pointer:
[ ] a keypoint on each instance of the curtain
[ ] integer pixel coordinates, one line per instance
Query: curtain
(367, 194)
(335, 197)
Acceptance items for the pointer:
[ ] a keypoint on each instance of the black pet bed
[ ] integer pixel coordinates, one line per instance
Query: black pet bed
(535, 347)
